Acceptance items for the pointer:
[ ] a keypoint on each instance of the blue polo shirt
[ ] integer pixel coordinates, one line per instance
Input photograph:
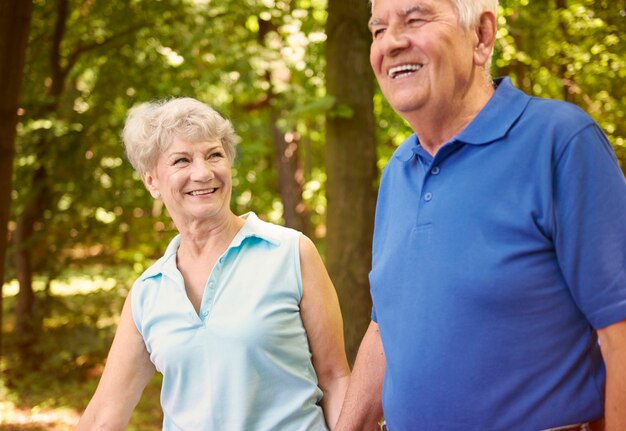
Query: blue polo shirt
(493, 264)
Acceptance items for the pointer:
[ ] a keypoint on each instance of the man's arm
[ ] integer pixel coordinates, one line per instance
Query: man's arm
(613, 346)
(362, 408)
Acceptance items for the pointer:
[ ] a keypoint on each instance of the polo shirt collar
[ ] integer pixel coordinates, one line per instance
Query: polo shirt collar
(252, 228)
(407, 149)
(495, 120)
(492, 123)
(255, 228)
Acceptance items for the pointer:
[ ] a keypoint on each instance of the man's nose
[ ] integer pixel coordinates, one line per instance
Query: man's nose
(394, 39)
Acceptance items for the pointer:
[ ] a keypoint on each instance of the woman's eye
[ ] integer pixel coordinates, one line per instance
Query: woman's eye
(180, 161)
(216, 155)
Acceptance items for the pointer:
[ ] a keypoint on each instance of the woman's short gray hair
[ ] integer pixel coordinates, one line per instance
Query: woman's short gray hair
(151, 127)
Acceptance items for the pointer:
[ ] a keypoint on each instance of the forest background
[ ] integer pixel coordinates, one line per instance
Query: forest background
(315, 133)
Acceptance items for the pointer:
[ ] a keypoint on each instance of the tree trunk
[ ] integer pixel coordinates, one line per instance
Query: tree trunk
(290, 172)
(23, 239)
(14, 26)
(39, 190)
(350, 164)
(290, 180)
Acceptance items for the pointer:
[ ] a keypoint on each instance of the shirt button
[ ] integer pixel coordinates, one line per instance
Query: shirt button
(205, 313)
(435, 170)
(211, 284)
(428, 197)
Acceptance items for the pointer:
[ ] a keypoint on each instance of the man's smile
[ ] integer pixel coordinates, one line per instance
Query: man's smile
(403, 70)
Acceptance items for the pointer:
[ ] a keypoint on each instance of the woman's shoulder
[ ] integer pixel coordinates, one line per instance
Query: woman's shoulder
(269, 230)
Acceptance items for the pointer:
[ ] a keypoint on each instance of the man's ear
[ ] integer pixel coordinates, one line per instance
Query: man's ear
(486, 32)
(151, 184)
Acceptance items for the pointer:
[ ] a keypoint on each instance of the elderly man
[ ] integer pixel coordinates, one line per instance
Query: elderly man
(499, 262)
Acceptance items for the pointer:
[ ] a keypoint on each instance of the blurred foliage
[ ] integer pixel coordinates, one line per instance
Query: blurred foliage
(62, 366)
(251, 60)
(255, 61)
(570, 50)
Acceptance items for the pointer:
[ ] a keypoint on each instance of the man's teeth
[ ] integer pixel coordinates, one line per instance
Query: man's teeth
(202, 192)
(405, 69)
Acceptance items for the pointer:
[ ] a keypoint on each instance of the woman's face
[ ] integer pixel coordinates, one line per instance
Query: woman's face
(193, 179)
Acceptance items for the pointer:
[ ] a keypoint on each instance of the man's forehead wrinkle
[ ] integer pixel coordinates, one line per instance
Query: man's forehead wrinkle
(410, 9)
(402, 12)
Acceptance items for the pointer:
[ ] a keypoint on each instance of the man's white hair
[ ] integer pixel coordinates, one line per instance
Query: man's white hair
(468, 11)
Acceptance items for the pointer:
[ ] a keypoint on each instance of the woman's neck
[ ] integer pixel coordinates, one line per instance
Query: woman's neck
(201, 239)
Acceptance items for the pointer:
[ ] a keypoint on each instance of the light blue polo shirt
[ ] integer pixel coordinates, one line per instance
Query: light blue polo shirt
(243, 363)
(493, 262)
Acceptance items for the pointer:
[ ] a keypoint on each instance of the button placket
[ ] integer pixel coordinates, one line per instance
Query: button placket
(211, 288)
(428, 196)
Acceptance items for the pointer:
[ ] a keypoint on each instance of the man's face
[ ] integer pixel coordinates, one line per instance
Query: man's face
(421, 56)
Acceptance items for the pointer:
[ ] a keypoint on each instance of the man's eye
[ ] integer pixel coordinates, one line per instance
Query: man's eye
(377, 32)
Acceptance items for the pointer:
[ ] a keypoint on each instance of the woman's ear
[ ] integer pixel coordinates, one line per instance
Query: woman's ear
(486, 31)
(152, 185)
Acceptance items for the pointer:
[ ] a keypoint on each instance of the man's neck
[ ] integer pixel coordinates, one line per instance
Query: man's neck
(437, 125)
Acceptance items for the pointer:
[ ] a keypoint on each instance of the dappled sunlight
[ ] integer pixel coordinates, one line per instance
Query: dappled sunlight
(77, 285)
(47, 382)
(13, 417)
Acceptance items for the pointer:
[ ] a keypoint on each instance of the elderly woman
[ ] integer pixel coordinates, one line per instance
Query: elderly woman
(239, 315)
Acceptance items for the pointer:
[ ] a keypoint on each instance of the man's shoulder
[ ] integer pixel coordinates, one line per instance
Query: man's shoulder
(405, 150)
(558, 110)
(538, 110)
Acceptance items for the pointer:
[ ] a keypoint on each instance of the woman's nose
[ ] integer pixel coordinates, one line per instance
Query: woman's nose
(201, 170)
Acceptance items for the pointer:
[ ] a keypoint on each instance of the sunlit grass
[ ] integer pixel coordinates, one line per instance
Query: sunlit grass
(14, 417)
(49, 387)
(75, 285)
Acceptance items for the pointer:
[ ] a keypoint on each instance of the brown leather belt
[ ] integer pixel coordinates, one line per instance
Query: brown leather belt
(577, 427)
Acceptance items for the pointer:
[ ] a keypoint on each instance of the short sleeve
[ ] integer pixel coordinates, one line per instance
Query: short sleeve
(590, 226)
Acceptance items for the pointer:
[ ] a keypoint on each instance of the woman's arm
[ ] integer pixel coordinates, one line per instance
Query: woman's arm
(322, 320)
(127, 372)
